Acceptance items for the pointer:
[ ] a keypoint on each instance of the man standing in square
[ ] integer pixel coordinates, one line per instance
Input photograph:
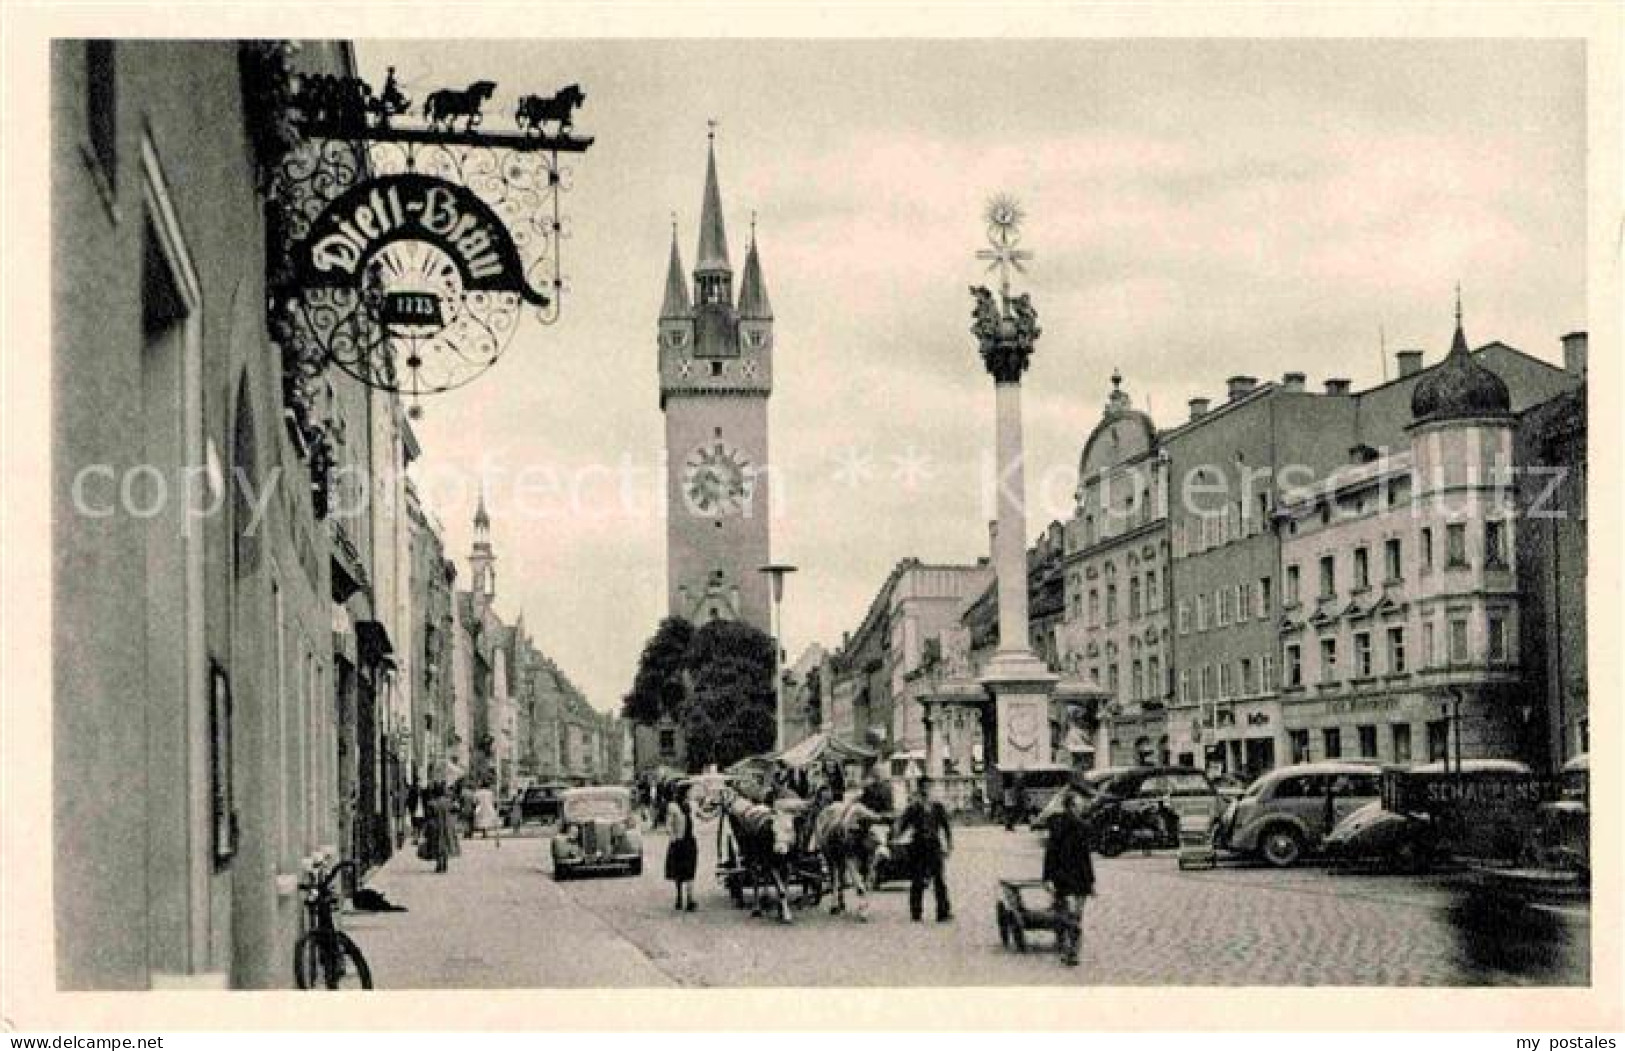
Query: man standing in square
(1069, 873)
(923, 832)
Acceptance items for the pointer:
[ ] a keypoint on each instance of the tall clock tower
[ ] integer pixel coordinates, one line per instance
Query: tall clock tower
(716, 373)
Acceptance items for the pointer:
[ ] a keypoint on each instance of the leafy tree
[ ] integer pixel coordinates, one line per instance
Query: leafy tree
(716, 682)
(658, 688)
(730, 709)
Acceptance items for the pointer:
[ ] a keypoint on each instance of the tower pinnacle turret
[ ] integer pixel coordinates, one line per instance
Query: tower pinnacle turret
(676, 301)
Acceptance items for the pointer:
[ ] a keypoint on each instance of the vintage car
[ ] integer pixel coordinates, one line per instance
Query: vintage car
(1143, 807)
(597, 833)
(1284, 815)
(1402, 830)
(537, 803)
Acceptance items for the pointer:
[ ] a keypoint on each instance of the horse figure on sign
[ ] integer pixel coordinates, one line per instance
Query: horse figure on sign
(534, 110)
(766, 837)
(443, 107)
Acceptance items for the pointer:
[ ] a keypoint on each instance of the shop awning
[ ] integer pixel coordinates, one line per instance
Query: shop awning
(821, 746)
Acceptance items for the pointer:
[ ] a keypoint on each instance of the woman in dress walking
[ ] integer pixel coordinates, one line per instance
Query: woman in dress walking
(683, 855)
(487, 820)
(439, 841)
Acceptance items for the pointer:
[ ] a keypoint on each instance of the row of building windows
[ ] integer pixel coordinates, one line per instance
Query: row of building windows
(1135, 513)
(1247, 677)
(1365, 743)
(1146, 679)
(1143, 598)
(1236, 521)
(1393, 554)
(1498, 650)
(1234, 604)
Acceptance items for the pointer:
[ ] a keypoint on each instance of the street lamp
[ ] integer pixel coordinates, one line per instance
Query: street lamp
(776, 572)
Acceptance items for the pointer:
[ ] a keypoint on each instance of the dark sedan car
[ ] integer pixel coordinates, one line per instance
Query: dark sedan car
(539, 803)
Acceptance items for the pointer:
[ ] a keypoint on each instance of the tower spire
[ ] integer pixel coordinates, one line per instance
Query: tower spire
(676, 302)
(713, 256)
(753, 303)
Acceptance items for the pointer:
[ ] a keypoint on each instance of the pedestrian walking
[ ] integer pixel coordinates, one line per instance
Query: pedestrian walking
(487, 820)
(439, 842)
(414, 808)
(924, 835)
(465, 809)
(1069, 874)
(683, 854)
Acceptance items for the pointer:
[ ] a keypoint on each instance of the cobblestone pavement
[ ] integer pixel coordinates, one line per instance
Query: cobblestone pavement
(498, 920)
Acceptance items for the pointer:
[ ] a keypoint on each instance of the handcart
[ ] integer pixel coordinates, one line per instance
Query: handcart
(1015, 917)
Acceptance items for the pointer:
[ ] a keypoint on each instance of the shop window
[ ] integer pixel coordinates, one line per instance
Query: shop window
(1438, 741)
(1402, 742)
(1368, 741)
(1333, 739)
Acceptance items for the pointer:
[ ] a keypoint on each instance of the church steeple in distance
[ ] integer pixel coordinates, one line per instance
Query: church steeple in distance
(482, 560)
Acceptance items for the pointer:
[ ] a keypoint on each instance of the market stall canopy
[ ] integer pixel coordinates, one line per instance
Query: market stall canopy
(821, 746)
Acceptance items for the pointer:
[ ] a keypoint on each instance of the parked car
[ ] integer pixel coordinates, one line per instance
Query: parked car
(1413, 839)
(1144, 806)
(1286, 814)
(597, 833)
(539, 803)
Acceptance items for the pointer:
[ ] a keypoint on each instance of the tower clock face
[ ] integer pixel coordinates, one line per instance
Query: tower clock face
(718, 479)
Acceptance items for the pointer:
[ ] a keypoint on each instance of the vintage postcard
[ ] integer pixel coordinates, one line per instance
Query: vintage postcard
(756, 509)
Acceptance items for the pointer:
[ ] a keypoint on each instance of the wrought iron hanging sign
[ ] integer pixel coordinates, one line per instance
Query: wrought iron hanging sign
(411, 251)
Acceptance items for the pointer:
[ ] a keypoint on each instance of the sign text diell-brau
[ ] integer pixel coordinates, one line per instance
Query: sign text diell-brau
(395, 209)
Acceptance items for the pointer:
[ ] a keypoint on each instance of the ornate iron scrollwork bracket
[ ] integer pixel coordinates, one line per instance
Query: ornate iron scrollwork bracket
(406, 254)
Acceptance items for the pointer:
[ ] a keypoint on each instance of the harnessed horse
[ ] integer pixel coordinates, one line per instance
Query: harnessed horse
(443, 107)
(765, 837)
(846, 837)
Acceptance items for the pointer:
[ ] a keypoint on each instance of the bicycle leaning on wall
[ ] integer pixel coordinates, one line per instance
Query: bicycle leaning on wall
(325, 957)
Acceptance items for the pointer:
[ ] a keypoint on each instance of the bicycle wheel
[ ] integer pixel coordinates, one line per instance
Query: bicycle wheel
(330, 962)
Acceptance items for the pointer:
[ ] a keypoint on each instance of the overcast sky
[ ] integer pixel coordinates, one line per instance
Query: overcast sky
(1197, 209)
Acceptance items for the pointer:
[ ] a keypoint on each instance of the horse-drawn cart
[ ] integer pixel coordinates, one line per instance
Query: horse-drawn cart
(1015, 917)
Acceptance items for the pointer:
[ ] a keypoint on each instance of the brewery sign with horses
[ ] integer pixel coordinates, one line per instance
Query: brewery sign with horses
(411, 249)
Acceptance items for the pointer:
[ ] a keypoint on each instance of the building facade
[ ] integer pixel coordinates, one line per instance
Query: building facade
(1227, 468)
(1116, 626)
(1552, 562)
(219, 646)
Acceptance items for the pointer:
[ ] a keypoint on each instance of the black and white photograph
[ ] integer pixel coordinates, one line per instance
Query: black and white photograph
(720, 509)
